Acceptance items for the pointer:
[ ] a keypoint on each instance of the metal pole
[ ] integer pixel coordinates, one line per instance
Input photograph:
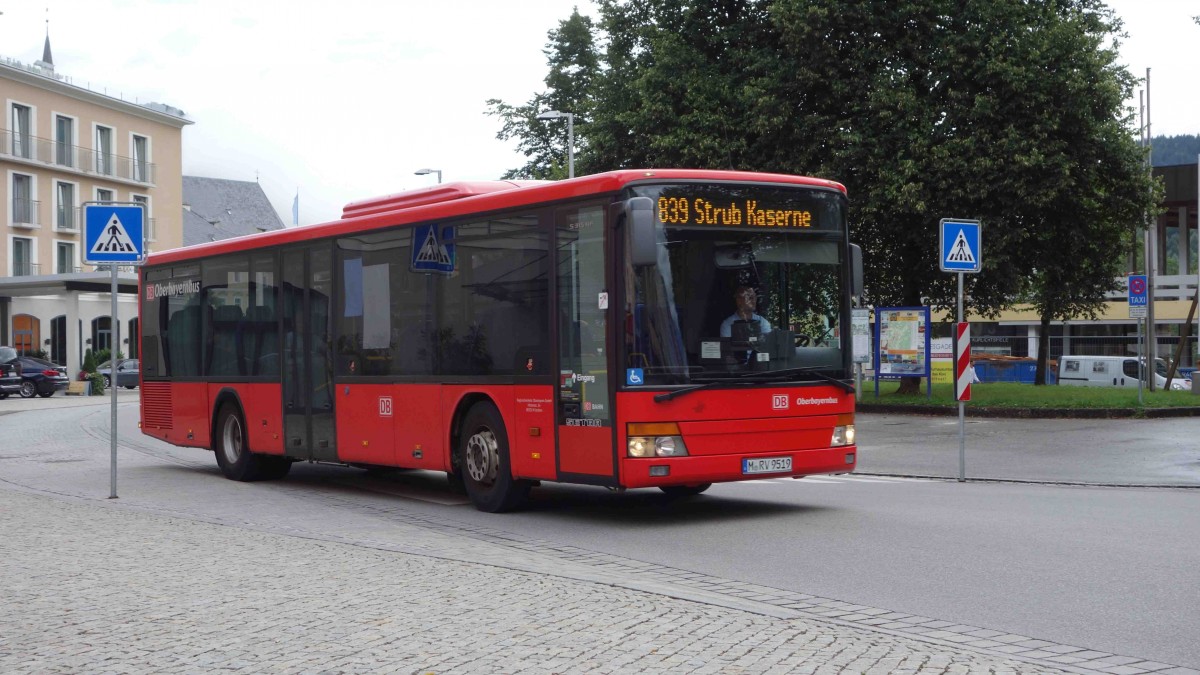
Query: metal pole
(962, 410)
(115, 335)
(570, 145)
(1151, 263)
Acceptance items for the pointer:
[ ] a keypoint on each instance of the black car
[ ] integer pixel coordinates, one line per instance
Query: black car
(10, 374)
(39, 377)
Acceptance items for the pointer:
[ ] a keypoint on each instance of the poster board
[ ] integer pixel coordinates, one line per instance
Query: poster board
(902, 336)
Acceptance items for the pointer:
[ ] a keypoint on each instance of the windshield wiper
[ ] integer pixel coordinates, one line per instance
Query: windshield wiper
(667, 396)
(757, 378)
(772, 375)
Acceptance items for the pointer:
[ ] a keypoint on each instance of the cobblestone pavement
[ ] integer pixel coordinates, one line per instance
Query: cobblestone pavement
(190, 573)
(92, 587)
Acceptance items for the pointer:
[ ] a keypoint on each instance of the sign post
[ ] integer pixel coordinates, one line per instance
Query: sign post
(1139, 307)
(114, 234)
(961, 251)
(860, 334)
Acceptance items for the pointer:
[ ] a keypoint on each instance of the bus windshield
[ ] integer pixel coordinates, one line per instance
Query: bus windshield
(750, 280)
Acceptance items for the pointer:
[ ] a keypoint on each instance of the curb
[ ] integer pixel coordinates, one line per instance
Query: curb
(1031, 413)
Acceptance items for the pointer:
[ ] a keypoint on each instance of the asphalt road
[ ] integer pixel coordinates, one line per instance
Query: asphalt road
(1107, 452)
(1111, 569)
(1108, 569)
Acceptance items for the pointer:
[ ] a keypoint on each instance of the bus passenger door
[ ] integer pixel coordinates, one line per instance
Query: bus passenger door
(308, 415)
(584, 403)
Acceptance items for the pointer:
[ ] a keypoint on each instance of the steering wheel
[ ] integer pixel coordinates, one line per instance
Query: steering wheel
(803, 340)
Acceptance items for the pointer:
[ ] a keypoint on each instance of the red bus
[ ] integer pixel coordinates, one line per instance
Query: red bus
(634, 329)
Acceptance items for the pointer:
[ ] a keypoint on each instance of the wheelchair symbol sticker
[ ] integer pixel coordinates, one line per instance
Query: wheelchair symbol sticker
(633, 377)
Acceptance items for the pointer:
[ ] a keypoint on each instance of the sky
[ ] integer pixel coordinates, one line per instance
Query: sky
(342, 101)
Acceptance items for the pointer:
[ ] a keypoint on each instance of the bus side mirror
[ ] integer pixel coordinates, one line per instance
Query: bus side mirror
(856, 270)
(643, 239)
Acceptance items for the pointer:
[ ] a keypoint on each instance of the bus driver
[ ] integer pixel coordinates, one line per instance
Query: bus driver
(746, 299)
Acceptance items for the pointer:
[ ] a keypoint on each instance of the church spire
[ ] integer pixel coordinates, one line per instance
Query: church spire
(47, 61)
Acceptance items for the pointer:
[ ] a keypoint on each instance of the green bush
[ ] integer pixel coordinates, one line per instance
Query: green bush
(89, 362)
(97, 381)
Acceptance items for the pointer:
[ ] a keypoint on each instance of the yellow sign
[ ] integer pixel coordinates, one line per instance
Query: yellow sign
(700, 211)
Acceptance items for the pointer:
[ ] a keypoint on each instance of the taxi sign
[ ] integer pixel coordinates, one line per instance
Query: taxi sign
(1139, 304)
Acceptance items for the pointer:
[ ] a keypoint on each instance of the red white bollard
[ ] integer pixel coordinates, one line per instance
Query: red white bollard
(962, 362)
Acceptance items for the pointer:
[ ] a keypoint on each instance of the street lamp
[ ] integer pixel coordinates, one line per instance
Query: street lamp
(426, 172)
(555, 114)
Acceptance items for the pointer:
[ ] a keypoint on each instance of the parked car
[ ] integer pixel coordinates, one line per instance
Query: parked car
(40, 377)
(127, 373)
(10, 374)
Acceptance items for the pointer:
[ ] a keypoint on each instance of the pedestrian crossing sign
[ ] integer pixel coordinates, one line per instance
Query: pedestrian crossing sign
(960, 249)
(433, 250)
(113, 233)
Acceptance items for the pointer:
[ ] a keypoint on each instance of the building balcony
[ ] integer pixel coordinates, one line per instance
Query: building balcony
(68, 220)
(26, 213)
(74, 159)
(24, 268)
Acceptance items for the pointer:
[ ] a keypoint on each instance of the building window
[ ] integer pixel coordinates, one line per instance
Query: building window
(141, 152)
(148, 229)
(27, 333)
(24, 208)
(64, 258)
(21, 145)
(101, 333)
(58, 339)
(23, 264)
(132, 338)
(64, 140)
(65, 219)
(103, 195)
(104, 149)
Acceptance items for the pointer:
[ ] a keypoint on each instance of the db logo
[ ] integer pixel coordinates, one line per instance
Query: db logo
(779, 401)
(149, 293)
(385, 406)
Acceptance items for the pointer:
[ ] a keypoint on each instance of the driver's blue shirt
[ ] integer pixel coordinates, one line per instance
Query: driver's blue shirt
(764, 326)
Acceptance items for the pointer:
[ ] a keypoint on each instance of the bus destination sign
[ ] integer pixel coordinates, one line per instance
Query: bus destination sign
(756, 208)
(748, 213)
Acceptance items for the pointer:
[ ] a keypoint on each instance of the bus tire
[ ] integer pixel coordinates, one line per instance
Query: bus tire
(483, 458)
(233, 450)
(675, 491)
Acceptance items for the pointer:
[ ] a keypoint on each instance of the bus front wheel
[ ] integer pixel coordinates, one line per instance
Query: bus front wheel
(484, 463)
(233, 452)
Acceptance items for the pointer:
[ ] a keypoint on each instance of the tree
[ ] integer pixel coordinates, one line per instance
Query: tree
(574, 62)
(924, 109)
(1102, 188)
(1169, 150)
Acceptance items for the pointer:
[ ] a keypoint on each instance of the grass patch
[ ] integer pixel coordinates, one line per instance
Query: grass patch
(1013, 395)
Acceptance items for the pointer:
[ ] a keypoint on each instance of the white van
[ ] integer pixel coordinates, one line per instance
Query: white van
(1112, 371)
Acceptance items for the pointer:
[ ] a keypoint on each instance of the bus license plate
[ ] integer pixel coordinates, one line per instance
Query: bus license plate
(767, 465)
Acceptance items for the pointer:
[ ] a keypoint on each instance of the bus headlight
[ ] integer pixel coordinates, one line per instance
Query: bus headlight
(842, 435)
(669, 446)
(641, 447)
(655, 440)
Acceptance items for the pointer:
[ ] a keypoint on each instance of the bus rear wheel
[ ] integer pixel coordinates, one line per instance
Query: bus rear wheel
(233, 452)
(483, 461)
(684, 490)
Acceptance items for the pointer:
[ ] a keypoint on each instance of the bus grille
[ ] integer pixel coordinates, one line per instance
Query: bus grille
(156, 405)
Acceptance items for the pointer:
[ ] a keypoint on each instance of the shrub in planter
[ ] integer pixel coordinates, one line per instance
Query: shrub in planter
(97, 380)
